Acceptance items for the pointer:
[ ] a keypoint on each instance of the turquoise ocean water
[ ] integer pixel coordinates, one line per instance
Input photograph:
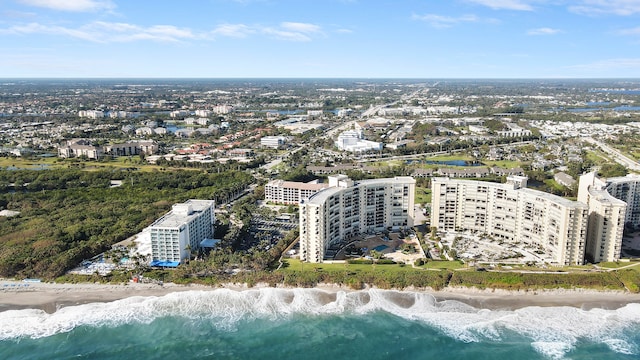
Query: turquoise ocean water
(312, 324)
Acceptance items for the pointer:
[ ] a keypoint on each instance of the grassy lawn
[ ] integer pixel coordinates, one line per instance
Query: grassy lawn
(505, 164)
(28, 163)
(423, 195)
(617, 265)
(440, 265)
(297, 265)
(597, 157)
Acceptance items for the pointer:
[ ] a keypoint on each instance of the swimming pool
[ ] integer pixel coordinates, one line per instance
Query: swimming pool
(380, 247)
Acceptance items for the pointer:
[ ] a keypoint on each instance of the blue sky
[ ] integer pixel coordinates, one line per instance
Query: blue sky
(320, 38)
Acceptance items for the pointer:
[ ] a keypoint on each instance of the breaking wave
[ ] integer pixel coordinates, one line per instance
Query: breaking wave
(553, 331)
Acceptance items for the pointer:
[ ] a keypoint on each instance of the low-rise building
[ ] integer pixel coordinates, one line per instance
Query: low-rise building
(80, 148)
(353, 141)
(290, 192)
(273, 142)
(132, 148)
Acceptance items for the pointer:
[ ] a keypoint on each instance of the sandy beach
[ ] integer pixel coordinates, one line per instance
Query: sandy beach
(51, 296)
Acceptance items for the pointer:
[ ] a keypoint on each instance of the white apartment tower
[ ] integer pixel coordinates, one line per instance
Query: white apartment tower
(627, 189)
(607, 213)
(514, 214)
(348, 208)
(177, 233)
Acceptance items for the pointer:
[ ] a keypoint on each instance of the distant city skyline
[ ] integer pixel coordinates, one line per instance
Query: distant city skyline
(320, 39)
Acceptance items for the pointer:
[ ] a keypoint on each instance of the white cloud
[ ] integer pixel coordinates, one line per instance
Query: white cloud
(520, 5)
(233, 30)
(603, 7)
(288, 31)
(110, 32)
(632, 31)
(543, 31)
(107, 32)
(72, 5)
(300, 27)
(441, 21)
(286, 35)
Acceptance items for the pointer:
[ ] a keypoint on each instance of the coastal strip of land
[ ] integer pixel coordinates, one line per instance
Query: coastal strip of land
(52, 296)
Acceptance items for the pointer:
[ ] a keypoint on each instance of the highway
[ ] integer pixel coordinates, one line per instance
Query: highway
(617, 155)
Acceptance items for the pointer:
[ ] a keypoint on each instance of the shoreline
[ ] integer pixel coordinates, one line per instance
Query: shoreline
(50, 297)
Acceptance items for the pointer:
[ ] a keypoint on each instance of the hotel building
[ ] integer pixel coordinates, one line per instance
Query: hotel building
(514, 214)
(347, 208)
(181, 230)
(290, 192)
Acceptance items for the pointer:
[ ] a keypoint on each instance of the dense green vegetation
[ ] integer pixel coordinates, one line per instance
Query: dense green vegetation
(68, 215)
(532, 281)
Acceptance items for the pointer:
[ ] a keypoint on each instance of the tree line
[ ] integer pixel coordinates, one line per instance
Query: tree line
(68, 215)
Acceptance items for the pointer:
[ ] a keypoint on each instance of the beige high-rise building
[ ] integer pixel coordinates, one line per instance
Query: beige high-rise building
(627, 189)
(606, 216)
(514, 214)
(329, 218)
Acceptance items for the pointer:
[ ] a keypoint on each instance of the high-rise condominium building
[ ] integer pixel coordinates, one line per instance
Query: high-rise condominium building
(514, 214)
(180, 231)
(607, 212)
(331, 217)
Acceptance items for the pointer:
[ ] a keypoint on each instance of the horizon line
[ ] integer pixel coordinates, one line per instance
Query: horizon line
(302, 78)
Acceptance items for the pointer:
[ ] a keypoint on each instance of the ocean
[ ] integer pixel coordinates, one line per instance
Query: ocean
(273, 323)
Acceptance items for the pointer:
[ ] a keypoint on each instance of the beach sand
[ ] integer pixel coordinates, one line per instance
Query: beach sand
(50, 296)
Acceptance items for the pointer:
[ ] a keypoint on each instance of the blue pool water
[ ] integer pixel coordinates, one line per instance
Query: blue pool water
(380, 247)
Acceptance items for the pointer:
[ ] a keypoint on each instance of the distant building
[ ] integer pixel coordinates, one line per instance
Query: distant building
(120, 114)
(514, 131)
(132, 148)
(92, 114)
(273, 142)
(80, 148)
(179, 114)
(179, 232)
(240, 153)
(353, 141)
(145, 130)
(222, 109)
(160, 131)
(564, 179)
(290, 192)
(203, 113)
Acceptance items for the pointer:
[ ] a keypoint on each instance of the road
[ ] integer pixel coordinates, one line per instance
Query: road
(617, 155)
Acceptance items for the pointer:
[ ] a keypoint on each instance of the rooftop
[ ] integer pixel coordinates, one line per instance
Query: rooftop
(183, 213)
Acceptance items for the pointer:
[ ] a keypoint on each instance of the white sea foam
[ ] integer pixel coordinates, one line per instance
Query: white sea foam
(553, 331)
(552, 350)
